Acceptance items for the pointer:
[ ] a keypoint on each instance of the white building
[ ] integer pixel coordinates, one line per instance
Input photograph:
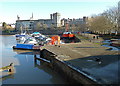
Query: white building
(33, 24)
(24, 24)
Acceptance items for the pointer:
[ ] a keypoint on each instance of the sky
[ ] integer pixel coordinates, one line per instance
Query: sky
(42, 9)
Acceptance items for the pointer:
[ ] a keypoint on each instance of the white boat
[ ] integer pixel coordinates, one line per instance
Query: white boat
(36, 34)
(29, 44)
(30, 40)
(22, 34)
(19, 36)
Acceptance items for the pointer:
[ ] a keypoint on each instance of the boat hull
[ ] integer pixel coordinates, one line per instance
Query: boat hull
(27, 47)
(14, 47)
(68, 35)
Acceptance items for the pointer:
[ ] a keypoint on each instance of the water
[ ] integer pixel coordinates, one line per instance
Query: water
(26, 71)
(112, 48)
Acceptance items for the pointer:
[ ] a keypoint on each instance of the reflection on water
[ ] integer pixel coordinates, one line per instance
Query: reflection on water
(47, 69)
(9, 76)
(112, 48)
(27, 72)
(27, 52)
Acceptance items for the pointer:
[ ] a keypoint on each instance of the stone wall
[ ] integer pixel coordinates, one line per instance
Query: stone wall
(66, 70)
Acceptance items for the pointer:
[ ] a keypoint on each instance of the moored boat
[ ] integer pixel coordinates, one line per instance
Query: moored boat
(19, 36)
(68, 35)
(27, 47)
(30, 40)
(29, 44)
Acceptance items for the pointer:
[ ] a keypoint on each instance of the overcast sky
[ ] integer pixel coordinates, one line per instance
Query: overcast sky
(42, 9)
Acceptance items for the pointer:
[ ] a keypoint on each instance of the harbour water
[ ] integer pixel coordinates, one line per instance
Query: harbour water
(26, 71)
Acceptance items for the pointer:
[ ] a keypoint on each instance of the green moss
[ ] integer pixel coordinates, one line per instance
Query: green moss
(6, 67)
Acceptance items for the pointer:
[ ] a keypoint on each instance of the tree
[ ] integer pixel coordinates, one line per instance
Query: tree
(73, 27)
(45, 26)
(39, 25)
(52, 26)
(4, 25)
(100, 24)
(112, 15)
(104, 22)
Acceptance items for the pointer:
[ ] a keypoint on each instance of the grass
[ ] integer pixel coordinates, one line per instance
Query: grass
(81, 37)
(100, 43)
(86, 38)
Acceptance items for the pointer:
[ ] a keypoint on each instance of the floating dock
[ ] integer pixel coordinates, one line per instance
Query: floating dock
(84, 62)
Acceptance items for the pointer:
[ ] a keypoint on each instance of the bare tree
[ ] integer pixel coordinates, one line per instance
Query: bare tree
(52, 26)
(39, 25)
(45, 26)
(112, 15)
(73, 27)
(100, 24)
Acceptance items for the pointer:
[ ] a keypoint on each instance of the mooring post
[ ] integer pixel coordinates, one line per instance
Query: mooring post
(35, 58)
(11, 69)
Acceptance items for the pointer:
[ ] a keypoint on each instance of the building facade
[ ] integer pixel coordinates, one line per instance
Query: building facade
(53, 22)
(74, 21)
(24, 24)
(75, 24)
(31, 24)
(56, 19)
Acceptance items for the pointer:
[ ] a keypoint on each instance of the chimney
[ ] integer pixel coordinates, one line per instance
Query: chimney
(18, 18)
(84, 18)
(51, 16)
(32, 15)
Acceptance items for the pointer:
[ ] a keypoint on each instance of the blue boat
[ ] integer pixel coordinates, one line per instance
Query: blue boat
(18, 35)
(26, 47)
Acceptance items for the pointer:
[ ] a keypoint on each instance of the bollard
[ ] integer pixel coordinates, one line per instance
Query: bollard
(11, 67)
(35, 58)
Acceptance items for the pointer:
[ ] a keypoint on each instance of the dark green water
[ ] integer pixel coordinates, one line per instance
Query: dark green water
(26, 72)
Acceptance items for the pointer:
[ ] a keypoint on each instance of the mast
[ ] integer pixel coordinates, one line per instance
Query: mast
(31, 18)
(21, 31)
(18, 18)
(32, 15)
